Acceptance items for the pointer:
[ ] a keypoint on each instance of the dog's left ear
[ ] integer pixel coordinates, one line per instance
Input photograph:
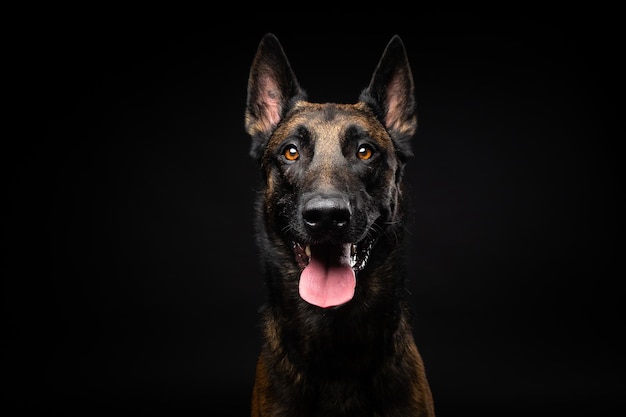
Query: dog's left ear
(391, 95)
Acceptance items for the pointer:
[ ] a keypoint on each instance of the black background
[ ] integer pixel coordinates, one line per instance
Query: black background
(130, 279)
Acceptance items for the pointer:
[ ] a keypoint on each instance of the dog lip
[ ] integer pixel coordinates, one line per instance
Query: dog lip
(302, 258)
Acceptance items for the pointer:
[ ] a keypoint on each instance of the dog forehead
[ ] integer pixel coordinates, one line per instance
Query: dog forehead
(327, 123)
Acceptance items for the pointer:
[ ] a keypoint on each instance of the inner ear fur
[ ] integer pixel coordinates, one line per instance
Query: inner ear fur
(272, 91)
(391, 95)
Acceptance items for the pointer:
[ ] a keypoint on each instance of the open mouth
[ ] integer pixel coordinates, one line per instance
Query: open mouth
(328, 271)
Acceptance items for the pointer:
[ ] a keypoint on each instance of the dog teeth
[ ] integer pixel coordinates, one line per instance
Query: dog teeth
(358, 258)
(353, 258)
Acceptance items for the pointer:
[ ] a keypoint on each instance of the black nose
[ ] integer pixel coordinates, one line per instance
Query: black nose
(326, 214)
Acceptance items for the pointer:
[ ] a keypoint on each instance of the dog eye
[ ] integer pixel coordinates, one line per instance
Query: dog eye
(364, 152)
(291, 153)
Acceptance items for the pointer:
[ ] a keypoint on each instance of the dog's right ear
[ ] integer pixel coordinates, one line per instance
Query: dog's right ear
(272, 90)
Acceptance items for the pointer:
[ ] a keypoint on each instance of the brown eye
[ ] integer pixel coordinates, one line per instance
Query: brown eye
(364, 152)
(291, 153)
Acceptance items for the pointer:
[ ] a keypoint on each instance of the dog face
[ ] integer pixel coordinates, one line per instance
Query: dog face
(332, 171)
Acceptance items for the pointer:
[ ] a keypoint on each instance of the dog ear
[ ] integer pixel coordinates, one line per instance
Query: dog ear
(391, 95)
(272, 91)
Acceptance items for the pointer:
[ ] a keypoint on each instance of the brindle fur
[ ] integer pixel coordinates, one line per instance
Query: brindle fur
(357, 359)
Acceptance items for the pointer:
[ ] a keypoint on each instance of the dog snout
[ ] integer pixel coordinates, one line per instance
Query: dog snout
(326, 214)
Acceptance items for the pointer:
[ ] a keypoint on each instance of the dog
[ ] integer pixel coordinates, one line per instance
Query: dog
(331, 217)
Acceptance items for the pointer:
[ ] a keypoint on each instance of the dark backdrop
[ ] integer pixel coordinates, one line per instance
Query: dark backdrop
(130, 274)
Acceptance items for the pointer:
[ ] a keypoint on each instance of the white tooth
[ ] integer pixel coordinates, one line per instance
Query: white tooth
(307, 250)
(352, 255)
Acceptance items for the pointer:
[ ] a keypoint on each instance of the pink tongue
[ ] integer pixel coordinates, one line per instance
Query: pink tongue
(328, 280)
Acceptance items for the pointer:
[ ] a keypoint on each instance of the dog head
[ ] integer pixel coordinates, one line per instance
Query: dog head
(332, 171)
